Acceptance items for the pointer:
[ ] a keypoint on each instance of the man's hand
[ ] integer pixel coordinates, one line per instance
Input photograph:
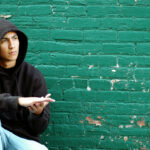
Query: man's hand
(37, 108)
(30, 101)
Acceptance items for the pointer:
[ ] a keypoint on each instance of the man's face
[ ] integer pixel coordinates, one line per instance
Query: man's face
(9, 47)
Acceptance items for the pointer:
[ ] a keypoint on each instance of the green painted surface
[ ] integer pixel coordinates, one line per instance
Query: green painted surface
(95, 57)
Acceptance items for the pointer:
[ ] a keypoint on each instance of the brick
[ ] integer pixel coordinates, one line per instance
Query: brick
(75, 95)
(138, 61)
(13, 2)
(142, 24)
(116, 73)
(134, 11)
(8, 10)
(83, 23)
(97, 84)
(33, 10)
(143, 49)
(28, 2)
(96, 35)
(67, 35)
(117, 23)
(142, 73)
(37, 34)
(133, 36)
(95, 60)
(68, 11)
(58, 59)
(127, 2)
(62, 47)
(101, 11)
(118, 48)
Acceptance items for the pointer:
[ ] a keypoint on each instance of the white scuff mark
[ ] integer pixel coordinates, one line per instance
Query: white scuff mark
(89, 54)
(102, 137)
(52, 9)
(128, 126)
(112, 83)
(113, 70)
(75, 77)
(132, 121)
(117, 65)
(101, 77)
(136, 1)
(121, 126)
(91, 66)
(130, 64)
(5, 16)
(88, 88)
(134, 117)
(134, 78)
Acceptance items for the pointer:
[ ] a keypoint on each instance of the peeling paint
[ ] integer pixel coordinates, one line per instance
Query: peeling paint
(125, 138)
(91, 121)
(5, 16)
(143, 148)
(99, 117)
(112, 82)
(141, 123)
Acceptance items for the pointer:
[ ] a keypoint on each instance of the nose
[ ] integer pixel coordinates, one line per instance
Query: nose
(11, 44)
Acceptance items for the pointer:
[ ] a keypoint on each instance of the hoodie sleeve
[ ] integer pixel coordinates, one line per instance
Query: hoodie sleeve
(38, 123)
(8, 102)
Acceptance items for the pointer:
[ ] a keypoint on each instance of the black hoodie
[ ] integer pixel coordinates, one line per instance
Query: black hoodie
(26, 81)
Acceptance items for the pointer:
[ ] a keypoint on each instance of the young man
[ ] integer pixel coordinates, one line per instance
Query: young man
(24, 108)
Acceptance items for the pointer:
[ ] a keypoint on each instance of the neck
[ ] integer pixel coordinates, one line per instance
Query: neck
(8, 65)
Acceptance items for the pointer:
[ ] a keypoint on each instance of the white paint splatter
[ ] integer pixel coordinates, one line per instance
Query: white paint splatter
(113, 70)
(128, 126)
(102, 137)
(112, 83)
(88, 88)
(5, 16)
(91, 66)
(75, 76)
(121, 126)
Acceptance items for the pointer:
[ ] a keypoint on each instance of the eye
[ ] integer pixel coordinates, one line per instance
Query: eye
(3, 40)
(15, 37)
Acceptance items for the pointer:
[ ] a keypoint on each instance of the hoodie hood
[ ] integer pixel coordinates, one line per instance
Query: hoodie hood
(6, 26)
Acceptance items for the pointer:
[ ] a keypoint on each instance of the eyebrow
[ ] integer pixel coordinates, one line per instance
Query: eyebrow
(11, 37)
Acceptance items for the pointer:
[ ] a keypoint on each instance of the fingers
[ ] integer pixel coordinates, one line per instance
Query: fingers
(48, 95)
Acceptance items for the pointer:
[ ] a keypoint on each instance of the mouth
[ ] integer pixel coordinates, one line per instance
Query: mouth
(13, 53)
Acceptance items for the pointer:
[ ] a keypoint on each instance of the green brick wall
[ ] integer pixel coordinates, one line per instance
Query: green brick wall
(95, 57)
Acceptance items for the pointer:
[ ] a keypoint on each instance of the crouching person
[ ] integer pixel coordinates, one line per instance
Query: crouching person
(24, 100)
